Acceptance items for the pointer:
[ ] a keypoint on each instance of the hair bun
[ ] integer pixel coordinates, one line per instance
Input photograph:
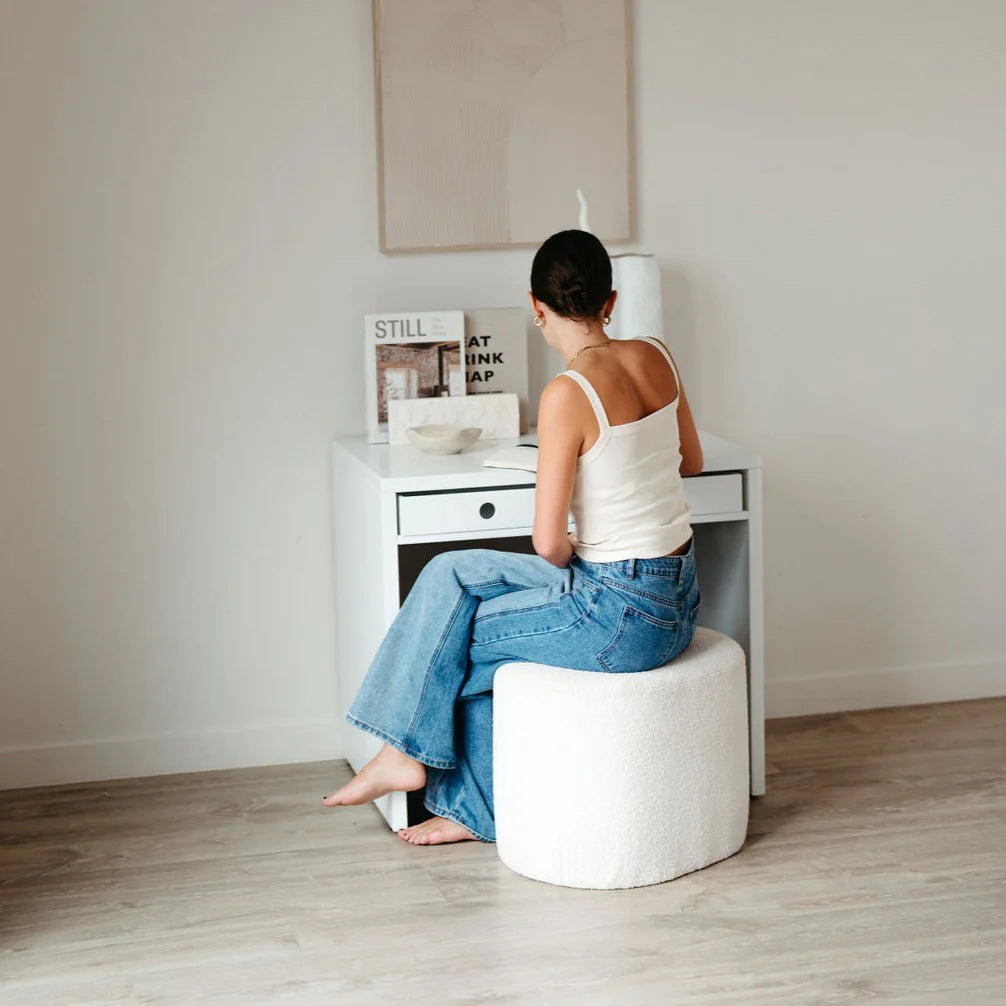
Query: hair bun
(574, 297)
(571, 273)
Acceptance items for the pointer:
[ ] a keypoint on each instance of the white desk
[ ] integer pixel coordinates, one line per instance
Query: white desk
(395, 507)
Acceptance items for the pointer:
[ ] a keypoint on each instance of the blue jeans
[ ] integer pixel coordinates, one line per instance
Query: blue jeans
(428, 692)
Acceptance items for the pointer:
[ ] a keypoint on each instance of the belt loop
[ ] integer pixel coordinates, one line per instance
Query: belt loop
(632, 569)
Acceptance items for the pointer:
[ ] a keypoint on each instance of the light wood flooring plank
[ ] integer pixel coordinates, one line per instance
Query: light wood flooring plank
(874, 871)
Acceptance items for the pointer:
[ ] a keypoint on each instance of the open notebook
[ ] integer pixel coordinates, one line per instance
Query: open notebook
(523, 457)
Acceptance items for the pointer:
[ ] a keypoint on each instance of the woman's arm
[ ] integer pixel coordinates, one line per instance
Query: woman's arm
(691, 449)
(560, 437)
(688, 437)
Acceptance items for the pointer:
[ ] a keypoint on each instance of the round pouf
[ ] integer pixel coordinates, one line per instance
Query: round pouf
(619, 780)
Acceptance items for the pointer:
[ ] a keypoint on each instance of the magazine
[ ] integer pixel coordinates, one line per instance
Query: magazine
(411, 355)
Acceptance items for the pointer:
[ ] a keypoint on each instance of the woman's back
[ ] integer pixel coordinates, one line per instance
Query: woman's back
(633, 379)
(628, 499)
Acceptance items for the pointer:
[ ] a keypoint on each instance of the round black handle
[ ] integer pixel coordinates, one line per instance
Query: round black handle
(487, 510)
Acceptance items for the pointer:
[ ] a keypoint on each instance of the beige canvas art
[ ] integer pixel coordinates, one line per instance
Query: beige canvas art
(492, 113)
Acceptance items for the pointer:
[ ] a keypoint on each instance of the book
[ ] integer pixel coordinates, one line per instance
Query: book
(521, 457)
(411, 355)
(496, 354)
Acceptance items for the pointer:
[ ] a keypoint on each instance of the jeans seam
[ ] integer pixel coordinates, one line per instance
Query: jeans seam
(450, 815)
(498, 582)
(433, 659)
(523, 611)
(400, 745)
(527, 635)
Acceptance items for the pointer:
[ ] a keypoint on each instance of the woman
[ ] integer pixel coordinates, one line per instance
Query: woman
(615, 433)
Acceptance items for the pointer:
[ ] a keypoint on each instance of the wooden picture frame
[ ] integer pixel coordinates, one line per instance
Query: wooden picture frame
(489, 117)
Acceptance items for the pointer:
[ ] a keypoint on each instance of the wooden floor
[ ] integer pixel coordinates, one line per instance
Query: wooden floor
(875, 871)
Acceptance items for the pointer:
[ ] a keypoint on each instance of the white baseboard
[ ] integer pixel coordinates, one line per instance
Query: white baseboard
(321, 740)
(896, 686)
(169, 753)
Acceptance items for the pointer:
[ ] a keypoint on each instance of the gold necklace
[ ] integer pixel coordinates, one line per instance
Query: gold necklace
(583, 349)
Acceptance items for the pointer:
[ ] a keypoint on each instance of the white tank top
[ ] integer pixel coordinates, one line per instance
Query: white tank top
(628, 499)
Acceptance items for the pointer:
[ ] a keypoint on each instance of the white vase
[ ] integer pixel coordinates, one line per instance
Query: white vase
(638, 310)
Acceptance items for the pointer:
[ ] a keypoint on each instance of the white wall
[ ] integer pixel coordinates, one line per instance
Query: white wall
(188, 209)
(825, 183)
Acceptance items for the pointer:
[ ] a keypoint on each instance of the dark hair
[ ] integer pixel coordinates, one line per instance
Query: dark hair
(571, 273)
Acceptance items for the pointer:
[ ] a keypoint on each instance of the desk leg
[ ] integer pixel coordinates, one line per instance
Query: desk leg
(728, 559)
(366, 590)
(756, 643)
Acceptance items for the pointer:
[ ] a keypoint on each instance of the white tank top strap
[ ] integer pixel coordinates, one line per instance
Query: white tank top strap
(667, 356)
(592, 397)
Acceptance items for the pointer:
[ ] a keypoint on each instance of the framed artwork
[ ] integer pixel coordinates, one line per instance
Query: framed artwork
(416, 355)
(491, 114)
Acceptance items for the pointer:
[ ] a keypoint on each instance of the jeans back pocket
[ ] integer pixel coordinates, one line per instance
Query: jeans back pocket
(641, 642)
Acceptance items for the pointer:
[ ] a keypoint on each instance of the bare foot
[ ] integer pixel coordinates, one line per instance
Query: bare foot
(389, 770)
(435, 831)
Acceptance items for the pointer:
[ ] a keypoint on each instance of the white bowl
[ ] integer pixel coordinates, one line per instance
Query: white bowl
(437, 439)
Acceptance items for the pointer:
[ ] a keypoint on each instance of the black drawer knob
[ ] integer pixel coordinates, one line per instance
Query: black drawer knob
(487, 510)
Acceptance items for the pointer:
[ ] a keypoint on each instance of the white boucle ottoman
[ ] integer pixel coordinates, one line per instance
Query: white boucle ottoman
(620, 780)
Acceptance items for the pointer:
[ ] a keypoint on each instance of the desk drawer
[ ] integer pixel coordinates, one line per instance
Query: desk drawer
(505, 509)
(707, 494)
(463, 512)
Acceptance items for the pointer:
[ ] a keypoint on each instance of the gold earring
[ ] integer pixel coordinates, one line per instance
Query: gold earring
(539, 320)
(606, 320)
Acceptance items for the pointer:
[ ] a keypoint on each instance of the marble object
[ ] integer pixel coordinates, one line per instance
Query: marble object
(498, 415)
(439, 439)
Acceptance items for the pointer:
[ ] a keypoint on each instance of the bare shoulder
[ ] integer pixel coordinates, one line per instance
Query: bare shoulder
(564, 412)
(561, 393)
(649, 347)
(641, 352)
(647, 361)
(560, 388)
